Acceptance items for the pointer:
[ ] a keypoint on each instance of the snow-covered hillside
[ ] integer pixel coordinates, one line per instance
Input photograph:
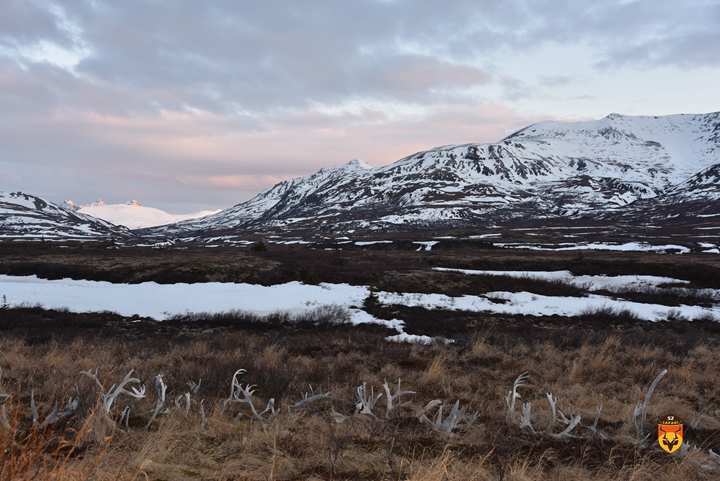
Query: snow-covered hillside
(134, 215)
(547, 170)
(24, 216)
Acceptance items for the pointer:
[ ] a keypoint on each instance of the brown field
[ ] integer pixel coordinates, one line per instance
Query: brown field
(597, 359)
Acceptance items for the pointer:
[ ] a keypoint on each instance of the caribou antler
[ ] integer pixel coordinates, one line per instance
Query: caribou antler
(186, 410)
(161, 389)
(366, 402)
(309, 397)
(513, 395)
(451, 422)
(194, 386)
(642, 409)
(107, 399)
(236, 389)
(56, 416)
(571, 423)
(389, 398)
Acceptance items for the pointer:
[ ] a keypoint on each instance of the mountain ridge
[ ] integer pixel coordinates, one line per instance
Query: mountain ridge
(548, 170)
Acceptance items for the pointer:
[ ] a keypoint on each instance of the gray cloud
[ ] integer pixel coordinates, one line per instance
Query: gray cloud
(169, 97)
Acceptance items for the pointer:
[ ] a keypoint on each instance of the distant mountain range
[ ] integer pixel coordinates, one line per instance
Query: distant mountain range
(645, 170)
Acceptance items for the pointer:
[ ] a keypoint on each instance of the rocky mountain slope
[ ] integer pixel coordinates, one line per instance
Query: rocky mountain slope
(24, 216)
(619, 167)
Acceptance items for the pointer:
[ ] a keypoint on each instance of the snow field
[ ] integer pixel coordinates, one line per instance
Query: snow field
(161, 301)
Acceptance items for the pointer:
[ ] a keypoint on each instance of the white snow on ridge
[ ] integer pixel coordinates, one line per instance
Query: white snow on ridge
(136, 216)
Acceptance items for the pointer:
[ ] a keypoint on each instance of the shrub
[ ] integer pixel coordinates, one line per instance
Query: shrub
(259, 246)
(372, 299)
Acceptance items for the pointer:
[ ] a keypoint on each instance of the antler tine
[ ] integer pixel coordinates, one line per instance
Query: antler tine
(203, 418)
(33, 408)
(525, 416)
(126, 417)
(593, 428)
(428, 407)
(93, 376)
(553, 403)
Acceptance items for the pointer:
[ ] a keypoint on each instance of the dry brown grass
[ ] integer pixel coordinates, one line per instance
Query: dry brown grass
(614, 370)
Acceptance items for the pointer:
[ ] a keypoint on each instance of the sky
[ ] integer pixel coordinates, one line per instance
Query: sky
(189, 105)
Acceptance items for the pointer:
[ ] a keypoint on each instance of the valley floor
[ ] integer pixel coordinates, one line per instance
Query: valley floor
(600, 357)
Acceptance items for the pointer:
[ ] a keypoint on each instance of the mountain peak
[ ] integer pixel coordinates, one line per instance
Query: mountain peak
(134, 202)
(360, 164)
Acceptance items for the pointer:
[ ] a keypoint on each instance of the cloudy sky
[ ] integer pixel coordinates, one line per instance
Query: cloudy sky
(191, 104)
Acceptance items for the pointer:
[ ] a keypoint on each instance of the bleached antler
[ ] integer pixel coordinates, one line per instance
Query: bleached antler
(126, 417)
(390, 398)
(338, 417)
(160, 389)
(451, 422)
(310, 397)
(33, 408)
(107, 399)
(366, 402)
(644, 406)
(186, 410)
(194, 386)
(236, 390)
(593, 428)
(525, 416)
(203, 418)
(513, 395)
(428, 407)
(571, 422)
(553, 403)
(56, 416)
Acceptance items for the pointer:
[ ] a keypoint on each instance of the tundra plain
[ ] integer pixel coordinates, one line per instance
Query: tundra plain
(603, 357)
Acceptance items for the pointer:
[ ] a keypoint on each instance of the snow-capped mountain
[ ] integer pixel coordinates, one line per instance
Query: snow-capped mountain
(547, 170)
(132, 214)
(24, 216)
